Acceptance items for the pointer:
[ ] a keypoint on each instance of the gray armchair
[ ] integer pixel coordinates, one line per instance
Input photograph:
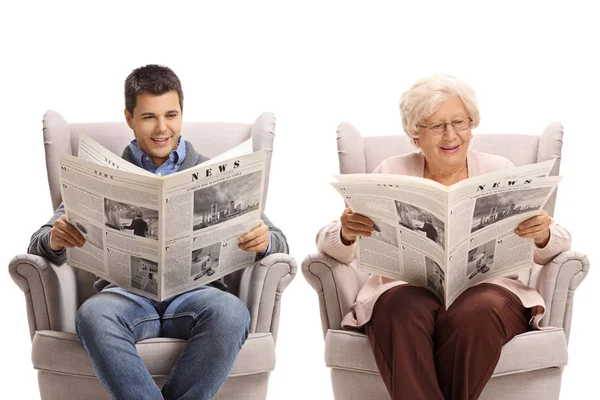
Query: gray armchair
(531, 364)
(54, 293)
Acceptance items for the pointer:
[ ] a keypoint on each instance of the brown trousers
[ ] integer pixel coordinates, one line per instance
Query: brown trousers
(426, 352)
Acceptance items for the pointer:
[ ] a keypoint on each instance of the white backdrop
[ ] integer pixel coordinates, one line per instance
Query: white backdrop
(313, 65)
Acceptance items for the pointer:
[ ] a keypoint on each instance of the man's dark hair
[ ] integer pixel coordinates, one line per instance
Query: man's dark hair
(153, 79)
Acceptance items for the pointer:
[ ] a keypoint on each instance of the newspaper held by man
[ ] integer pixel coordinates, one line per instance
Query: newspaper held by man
(447, 238)
(161, 236)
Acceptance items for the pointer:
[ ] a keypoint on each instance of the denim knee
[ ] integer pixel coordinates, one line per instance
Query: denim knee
(100, 313)
(233, 315)
(88, 317)
(226, 316)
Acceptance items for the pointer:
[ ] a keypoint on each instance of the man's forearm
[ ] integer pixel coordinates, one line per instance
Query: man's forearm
(278, 240)
(40, 241)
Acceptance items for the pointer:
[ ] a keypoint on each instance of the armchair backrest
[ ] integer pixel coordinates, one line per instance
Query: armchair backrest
(358, 154)
(209, 138)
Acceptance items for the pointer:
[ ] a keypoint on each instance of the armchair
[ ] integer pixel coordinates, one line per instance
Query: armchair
(54, 293)
(531, 364)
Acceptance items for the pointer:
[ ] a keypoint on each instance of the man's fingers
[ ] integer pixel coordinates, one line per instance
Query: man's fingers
(75, 234)
(69, 229)
(255, 241)
(66, 240)
(261, 242)
(254, 233)
(261, 248)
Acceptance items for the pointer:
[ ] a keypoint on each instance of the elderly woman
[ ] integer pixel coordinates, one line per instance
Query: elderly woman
(422, 350)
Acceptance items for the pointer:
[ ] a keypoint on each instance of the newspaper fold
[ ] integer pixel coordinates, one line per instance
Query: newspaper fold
(448, 239)
(159, 236)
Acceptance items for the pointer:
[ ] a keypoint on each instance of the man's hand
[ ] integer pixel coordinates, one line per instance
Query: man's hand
(63, 234)
(537, 227)
(354, 225)
(257, 240)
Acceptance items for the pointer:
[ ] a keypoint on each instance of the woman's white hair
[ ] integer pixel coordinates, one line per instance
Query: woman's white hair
(427, 94)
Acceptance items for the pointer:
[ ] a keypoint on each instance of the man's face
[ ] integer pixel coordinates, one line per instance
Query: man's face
(156, 124)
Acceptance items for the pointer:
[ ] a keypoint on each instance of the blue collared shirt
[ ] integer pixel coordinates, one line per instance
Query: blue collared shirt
(170, 166)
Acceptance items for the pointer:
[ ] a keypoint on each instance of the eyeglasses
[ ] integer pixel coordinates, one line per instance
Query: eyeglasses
(438, 128)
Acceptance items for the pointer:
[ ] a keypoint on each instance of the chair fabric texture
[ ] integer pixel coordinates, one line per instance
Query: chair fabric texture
(54, 293)
(531, 364)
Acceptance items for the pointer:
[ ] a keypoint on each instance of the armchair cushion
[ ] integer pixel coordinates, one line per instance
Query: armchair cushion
(61, 352)
(351, 350)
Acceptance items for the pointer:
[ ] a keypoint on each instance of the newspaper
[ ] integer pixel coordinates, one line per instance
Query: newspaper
(448, 238)
(159, 236)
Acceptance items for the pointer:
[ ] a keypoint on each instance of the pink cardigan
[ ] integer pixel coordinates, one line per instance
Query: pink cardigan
(329, 242)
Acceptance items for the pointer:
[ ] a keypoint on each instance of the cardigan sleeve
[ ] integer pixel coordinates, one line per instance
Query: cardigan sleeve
(560, 240)
(329, 242)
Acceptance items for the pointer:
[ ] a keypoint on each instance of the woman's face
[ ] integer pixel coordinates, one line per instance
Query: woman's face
(448, 150)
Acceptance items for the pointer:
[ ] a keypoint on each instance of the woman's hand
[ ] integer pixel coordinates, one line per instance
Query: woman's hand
(537, 227)
(354, 225)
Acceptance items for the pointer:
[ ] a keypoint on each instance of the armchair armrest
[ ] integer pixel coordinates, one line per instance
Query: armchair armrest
(556, 283)
(49, 292)
(336, 284)
(261, 287)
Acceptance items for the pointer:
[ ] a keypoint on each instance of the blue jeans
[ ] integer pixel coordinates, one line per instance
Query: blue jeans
(215, 324)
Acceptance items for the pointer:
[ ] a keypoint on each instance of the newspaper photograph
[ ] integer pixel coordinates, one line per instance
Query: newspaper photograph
(448, 239)
(139, 221)
(436, 278)
(419, 219)
(158, 236)
(496, 207)
(226, 200)
(144, 275)
(205, 261)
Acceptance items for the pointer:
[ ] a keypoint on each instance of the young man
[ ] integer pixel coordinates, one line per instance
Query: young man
(214, 322)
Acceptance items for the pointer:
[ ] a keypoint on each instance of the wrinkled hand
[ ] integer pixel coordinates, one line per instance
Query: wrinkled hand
(257, 240)
(63, 234)
(537, 227)
(354, 225)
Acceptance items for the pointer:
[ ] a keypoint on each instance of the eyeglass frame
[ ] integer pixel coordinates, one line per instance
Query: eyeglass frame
(446, 127)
